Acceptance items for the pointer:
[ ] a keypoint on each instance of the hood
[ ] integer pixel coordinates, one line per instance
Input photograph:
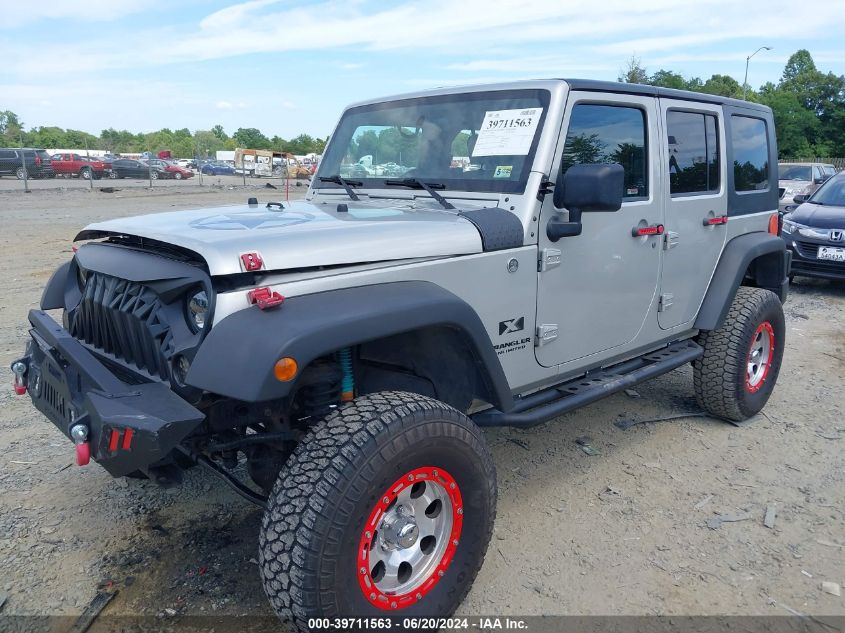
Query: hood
(794, 184)
(819, 216)
(303, 235)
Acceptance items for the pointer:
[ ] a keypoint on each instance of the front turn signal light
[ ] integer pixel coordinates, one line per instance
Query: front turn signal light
(285, 369)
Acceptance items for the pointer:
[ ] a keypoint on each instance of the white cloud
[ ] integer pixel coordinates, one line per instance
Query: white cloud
(16, 14)
(594, 36)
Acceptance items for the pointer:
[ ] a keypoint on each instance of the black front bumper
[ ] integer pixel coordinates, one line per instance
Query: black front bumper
(805, 259)
(130, 426)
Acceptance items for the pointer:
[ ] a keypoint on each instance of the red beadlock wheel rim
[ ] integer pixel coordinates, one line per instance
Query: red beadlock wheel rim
(760, 356)
(410, 538)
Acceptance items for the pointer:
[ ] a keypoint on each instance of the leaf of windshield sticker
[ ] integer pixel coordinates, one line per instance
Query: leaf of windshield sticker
(507, 132)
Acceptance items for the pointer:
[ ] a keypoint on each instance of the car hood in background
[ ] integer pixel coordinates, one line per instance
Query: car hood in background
(303, 235)
(794, 184)
(818, 216)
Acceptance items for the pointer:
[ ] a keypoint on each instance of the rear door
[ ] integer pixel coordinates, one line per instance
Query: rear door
(696, 206)
(8, 161)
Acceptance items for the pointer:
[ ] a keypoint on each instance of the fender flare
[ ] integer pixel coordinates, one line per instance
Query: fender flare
(236, 358)
(53, 296)
(737, 256)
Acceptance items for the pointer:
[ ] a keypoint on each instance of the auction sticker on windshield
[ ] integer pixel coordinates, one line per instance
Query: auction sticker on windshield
(507, 132)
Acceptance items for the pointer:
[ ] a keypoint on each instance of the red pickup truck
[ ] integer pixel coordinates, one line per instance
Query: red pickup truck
(76, 165)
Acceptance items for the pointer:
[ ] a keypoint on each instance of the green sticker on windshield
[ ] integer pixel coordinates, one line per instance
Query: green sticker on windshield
(503, 171)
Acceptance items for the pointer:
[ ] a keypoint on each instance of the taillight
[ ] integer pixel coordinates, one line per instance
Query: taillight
(37, 161)
(775, 224)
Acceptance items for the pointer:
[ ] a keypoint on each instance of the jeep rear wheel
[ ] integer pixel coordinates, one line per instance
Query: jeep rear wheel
(737, 373)
(385, 508)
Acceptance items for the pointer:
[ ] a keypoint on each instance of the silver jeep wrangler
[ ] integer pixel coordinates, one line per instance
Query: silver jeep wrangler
(464, 258)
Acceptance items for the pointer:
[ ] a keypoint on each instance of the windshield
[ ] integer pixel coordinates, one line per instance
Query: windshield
(831, 193)
(477, 141)
(794, 172)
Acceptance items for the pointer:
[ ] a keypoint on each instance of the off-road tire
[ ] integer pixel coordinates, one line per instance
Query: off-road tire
(319, 507)
(721, 374)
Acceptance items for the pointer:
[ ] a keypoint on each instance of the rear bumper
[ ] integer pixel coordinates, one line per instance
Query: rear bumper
(130, 427)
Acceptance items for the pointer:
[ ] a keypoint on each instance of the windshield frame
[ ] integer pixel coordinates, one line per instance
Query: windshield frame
(470, 185)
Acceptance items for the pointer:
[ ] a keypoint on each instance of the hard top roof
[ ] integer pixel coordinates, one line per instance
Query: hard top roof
(656, 91)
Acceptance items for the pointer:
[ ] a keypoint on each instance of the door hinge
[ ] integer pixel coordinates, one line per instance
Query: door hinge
(549, 258)
(546, 187)
(670, 240)
(666, 300)
(546, 333)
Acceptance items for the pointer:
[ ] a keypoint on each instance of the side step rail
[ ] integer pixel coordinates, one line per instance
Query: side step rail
(547, 404)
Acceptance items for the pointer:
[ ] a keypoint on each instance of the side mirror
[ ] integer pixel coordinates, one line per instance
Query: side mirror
(583, 188)
(800, 199)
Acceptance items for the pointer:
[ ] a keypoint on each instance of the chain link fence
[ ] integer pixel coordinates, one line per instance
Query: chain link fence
(34, 168)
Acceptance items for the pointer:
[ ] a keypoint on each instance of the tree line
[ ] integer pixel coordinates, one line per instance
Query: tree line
(808, 104)
(182, 143)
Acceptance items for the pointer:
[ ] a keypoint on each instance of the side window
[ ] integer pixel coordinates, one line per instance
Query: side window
(609, 134)
(693, 140)
(751, 153)
(6, 155)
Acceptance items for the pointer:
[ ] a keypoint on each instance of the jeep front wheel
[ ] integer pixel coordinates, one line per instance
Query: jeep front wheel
(737, 373)
(385, 508)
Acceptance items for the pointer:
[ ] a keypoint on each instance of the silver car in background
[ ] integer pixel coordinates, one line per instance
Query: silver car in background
(801, 179)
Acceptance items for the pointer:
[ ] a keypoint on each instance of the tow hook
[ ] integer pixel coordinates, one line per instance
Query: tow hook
(79, 435)
(19, 370)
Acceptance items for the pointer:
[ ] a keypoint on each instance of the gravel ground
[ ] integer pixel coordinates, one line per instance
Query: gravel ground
(620, 532)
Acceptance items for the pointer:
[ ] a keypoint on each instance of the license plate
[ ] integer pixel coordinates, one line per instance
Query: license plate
(832, 253)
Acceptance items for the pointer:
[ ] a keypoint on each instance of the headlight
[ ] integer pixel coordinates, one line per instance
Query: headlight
(198, 309)
(788, 226)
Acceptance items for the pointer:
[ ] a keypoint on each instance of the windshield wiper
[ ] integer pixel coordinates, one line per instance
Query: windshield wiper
(416, 183)
(346, 184)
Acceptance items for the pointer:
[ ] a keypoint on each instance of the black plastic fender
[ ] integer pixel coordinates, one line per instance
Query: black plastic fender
(738, 254)
(236, 358)
(53, 296)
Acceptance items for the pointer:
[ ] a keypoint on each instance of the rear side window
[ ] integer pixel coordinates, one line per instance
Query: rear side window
(751, 153)
(609, 134)
(6, 154)
(694, 165)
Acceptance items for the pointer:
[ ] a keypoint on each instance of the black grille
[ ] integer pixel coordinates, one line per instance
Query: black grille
(124, 319)
(807, 250)
(51, 396)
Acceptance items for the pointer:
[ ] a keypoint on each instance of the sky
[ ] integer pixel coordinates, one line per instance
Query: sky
(288, 67)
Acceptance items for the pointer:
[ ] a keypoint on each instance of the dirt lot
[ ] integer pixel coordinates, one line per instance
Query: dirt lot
(620, 532)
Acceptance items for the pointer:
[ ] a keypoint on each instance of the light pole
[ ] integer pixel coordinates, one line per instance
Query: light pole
(748, 59)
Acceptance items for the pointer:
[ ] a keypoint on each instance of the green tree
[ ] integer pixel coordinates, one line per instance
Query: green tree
(668, 79)
(251, 138)
(219, 132)
(723, 85)
(633, 72)
(10, 127)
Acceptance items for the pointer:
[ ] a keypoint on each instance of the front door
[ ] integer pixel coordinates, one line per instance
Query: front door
(696, 206)
(595, 289)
